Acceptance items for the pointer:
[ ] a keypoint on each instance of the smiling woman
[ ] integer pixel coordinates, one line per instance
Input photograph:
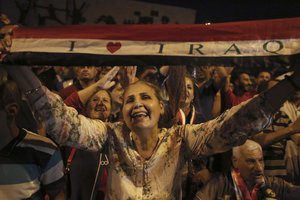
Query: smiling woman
(85, 166)
(99, 105)
(142, 109)
(146, 161)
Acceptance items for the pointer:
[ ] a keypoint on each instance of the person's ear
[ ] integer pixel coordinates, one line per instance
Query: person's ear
(162, 107)
(12, 110)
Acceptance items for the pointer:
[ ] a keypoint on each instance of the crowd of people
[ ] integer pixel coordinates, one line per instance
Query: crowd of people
(128, 132)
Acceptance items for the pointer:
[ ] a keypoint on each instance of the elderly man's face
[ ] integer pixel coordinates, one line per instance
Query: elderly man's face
(250, 163)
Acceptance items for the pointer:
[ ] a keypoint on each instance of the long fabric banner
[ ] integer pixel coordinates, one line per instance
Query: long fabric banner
(251, 43)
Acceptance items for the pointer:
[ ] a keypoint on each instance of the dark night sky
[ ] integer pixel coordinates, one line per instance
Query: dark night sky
(237, 10)
(215, 11)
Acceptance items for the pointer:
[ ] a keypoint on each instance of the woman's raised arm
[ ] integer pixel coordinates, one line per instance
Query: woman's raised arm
(104, 83)
(62, 123)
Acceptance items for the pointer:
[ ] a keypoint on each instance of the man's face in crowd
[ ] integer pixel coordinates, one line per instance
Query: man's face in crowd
(244, 82)
(203, 73)
(86, 73)
(263, 76)
(250, 163)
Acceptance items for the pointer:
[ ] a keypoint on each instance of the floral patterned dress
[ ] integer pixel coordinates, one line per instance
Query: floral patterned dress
(159, 177)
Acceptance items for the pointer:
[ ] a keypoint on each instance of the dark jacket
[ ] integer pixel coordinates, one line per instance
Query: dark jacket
(221, 187)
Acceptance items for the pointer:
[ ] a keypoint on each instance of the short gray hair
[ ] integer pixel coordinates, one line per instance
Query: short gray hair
(248, 145)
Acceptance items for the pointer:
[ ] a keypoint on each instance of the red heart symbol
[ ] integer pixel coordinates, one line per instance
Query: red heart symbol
(112, 47)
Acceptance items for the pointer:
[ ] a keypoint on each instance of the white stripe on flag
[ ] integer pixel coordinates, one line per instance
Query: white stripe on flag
(157, 48)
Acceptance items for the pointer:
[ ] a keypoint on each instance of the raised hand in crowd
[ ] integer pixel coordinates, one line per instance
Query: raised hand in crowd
(6, 33)
(105, 83)
(127, 75)
(131, 73)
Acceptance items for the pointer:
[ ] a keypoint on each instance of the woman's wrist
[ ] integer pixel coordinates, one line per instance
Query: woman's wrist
(98, 87)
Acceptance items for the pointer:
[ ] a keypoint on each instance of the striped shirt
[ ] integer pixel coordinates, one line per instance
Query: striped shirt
(274, 155)
(29, 165)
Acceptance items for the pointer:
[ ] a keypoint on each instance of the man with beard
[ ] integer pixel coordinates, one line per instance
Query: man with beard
(85, 76)
(246, 179)
(242, 89)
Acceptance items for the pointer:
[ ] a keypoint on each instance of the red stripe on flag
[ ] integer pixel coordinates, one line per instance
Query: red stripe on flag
(246, 30)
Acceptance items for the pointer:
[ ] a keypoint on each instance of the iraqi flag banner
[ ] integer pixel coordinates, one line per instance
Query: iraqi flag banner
(250, 43)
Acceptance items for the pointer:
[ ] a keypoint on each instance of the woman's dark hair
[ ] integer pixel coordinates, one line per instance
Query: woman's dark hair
(175, 86)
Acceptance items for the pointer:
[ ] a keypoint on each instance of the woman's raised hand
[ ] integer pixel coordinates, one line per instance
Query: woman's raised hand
(6, 35)
(131, 73)
(106, 81)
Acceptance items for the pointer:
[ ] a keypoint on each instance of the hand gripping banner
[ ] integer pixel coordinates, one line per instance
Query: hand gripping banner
(251, 43)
